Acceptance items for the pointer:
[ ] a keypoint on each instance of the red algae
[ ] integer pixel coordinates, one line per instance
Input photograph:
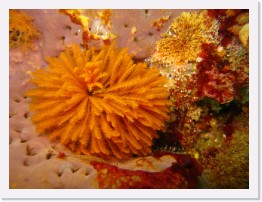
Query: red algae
(213, 79)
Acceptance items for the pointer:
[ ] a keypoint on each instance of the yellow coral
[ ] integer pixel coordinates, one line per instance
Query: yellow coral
(21, 30)
(182, 41)
(100, 102)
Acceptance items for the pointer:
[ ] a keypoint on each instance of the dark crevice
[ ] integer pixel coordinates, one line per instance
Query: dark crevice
(87, 173)
(63, 39)
(17, 100)
(11, 115)
(69, 28)
(18, 130)
(23, 141)
(25, 162)
(29, 151)
(26, 115)
(49, 154)
(59, 174)
(74, 170)
(10, 140)
(150, 34)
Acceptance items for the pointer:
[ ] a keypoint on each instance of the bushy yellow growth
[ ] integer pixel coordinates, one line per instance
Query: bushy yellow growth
(21, 30)
(182, 41)
(229, 169)
(100, 102)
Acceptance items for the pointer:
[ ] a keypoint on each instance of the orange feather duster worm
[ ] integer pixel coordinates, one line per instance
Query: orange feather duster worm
(99, 102)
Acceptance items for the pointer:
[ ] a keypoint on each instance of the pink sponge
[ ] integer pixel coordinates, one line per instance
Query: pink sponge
(134, 29)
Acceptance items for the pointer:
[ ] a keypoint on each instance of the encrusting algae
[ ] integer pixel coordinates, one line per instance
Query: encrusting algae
(21, 30)
(100, 102)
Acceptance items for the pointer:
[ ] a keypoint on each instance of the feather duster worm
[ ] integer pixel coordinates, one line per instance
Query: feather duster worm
(99, 102)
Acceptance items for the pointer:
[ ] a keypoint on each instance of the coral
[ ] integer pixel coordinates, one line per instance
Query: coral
(21, 30)
(181, 174)
(182, 41)
(100, 102)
